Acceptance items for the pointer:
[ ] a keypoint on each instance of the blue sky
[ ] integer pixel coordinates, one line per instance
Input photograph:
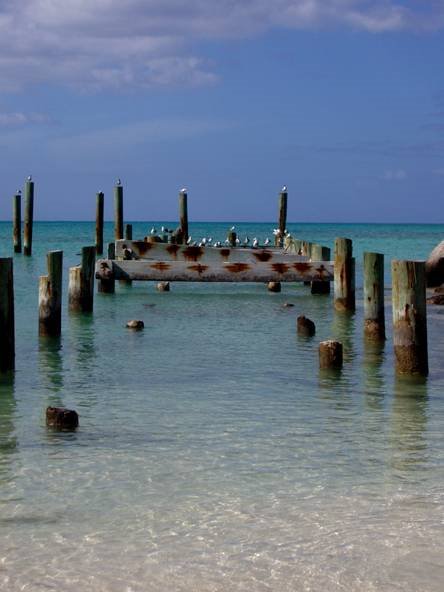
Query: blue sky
(341, 100)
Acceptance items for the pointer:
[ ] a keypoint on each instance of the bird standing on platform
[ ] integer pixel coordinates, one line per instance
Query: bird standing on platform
(255, 242)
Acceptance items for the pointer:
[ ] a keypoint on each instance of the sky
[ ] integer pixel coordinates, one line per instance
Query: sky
(342, 101)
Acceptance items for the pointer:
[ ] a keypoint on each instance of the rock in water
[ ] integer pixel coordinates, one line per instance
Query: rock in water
(306, 326)
(435, 266)
(61, 418)
(135, 324)
(274, 286)
(163, 287)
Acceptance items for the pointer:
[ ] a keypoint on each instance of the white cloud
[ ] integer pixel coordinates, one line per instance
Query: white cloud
(99, 44)
(396, 175)
(19, 119)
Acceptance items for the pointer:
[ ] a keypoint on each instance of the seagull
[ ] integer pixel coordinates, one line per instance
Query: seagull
(246, 240)
(189, 240)
(284, 189)
(29, 177)
(255, 242)
(210, 240)
(276, 231)
(153, 230)
(217, 244)
(18, 192)
(267, 242)
(184, 190)
(163, 229)
(227, 242)
(237, 241)
(203, 242)
(118, 182)
(233, 228)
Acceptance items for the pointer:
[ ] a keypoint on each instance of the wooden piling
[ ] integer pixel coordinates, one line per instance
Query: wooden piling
(330, 354)
(81, 282)
(320, 253)
(7, 331)
(29, 217)
(282, 216)
(374, 315)
(183, 214)
(17, 222)
(106, 285)
(344, 275)
(409, 317)
(231, 237)
(99, 222)
(118, 211)
(50, 296)
(128, 231)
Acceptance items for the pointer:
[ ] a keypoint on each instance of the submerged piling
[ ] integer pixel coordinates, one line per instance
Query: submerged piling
(29, 216)
(374, 315)
(99, 222)
(409, 317)
(330, 355)
(108, 286)
(50, 296)
(118, 210)
(7, 330)
(17, 221)
(320, 253)
(81, 282)
(183, 214)
(344, 275)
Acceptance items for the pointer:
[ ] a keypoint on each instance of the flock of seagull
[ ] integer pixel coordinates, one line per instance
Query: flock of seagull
(208, 242)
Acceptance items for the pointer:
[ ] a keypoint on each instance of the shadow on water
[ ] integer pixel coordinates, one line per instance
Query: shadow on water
(408, 425)
(83, 344)
(8, 440)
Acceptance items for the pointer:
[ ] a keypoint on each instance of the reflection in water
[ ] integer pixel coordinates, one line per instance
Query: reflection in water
(343, 328)
(408, 425)
(8, 441)
(373, 385)
(82, 335)
(51, 368)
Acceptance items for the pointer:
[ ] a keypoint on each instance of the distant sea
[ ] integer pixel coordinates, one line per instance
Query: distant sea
(212, 455)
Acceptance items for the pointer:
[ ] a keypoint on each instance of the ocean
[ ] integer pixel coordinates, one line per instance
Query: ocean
(211, 454)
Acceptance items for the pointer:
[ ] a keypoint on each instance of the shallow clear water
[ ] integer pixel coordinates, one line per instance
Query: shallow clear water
(212, 455)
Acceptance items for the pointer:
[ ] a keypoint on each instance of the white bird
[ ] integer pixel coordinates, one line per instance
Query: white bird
(255, 242)
(276, 231)
(246, 240)
(210, 240)
(184, 190)
(163, 229)
(118, 182)
(189, 240)
(217, 244)
(237, 241)
(267, 242)
(233, 228)
(227, 242)
(153, 230)
(19, 192)
(29, 177)
(284, 188)
(203, 241)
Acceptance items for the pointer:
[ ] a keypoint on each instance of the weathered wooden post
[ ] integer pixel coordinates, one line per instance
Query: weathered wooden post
(7, 331)
(320, 253)
(183, 214)
(409, 317)
(99, 222)
(118, 210)
(283, 196)
(29, 216)
(50, 296)
(344, 275)
(231, 238)
(108, 286)
(330, 354)
(81, 282)
(17, 221)
(374, 315)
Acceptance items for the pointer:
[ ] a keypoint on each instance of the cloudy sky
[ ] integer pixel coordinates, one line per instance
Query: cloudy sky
(341, 100)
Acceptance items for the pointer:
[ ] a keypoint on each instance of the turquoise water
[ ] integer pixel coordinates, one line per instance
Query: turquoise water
(211, 454)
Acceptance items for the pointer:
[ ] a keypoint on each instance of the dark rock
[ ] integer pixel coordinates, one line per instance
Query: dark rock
(306, 326)
(61, 418)
(435, 266)
(134, 324)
